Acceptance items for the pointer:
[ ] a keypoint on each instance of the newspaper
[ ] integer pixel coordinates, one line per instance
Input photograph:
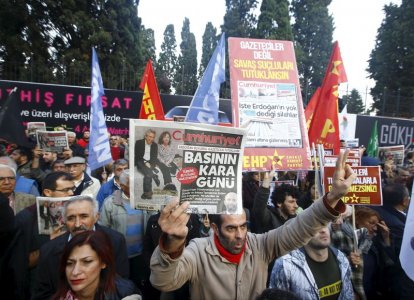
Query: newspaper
(50, 214)
(53, 141)
(270, 112)
(32, 127)
(198, 163)
(395, 153)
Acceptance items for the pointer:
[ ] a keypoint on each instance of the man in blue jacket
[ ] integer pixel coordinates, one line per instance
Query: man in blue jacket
(315, 271)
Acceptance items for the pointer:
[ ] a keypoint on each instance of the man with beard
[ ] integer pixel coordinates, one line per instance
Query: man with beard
(315, 271)
(84, 141)
(23, 158)
(80, 213)
(232, 262)
(229, 204)
(284, 199)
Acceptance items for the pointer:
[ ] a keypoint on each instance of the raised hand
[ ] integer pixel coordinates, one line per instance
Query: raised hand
(173, 222)
(342, 179)
(385, 232)
(355, 258)
(268, 177)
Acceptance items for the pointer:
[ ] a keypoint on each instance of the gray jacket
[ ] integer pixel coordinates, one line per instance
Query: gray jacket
(213, 277)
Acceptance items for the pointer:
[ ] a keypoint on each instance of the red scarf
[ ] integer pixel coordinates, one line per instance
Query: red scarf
(233, 258)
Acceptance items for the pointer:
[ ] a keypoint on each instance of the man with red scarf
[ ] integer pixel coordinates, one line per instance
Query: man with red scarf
(232, 263)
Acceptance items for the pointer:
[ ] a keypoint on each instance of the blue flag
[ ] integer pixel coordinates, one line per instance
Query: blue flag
(205, 103)
(407, 245)
(99, 149)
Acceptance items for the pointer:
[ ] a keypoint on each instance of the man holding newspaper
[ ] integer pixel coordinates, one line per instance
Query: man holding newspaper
(241, 258)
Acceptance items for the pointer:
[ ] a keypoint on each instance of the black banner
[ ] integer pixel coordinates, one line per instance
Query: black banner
(59, 105)
(391, 131)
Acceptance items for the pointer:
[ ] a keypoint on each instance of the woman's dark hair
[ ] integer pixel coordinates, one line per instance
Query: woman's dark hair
(101, 244)
(162, 135)
(363, 213)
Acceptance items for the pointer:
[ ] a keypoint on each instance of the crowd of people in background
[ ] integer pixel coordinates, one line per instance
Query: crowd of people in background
(288, 238)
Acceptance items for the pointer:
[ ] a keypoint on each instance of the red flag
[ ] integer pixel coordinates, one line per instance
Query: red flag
(310, 108)
(151, 107)
(324, 128)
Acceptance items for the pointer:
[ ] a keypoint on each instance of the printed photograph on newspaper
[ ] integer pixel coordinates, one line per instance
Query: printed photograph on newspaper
(54, 141)
(196, 162)
(32, 127)
(50, 214)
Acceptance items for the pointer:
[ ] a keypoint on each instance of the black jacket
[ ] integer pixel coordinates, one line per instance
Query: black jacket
(140, 151)
(266, 217)
(15, 246)
(49, 260)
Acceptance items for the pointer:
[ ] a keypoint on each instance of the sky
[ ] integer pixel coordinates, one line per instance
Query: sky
(356, 23)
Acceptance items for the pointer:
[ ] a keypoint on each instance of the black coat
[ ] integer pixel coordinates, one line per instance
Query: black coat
(47, 277)
(15, 246)
(402, 287)
(140, 151)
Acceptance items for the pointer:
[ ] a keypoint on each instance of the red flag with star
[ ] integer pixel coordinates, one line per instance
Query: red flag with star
(151, 107)
(310, 108)
(324, 126)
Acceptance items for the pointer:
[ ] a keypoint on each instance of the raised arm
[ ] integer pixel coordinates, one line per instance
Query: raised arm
(299, 230)
(261, 213)
(173, 221)
(342, 180)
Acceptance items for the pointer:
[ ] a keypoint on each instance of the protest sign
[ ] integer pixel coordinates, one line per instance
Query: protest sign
(50, 214)
(365, 189)
(395, 153)
(200, 163)
(330, 161)
(53, 141)
(352, 143)
(267, 101)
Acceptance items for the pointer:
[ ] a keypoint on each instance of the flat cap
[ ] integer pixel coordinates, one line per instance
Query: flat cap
(75, 160)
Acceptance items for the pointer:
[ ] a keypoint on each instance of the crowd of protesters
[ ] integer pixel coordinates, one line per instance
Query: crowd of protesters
(290, 242)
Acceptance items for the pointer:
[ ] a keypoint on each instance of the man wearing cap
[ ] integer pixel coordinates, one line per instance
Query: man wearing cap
(85, 184)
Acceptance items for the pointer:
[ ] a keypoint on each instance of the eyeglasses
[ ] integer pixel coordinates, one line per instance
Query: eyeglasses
(73, 188)
(10, 178)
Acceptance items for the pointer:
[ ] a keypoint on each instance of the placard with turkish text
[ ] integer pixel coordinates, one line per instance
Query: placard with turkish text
(366, 188)
(267, 102)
